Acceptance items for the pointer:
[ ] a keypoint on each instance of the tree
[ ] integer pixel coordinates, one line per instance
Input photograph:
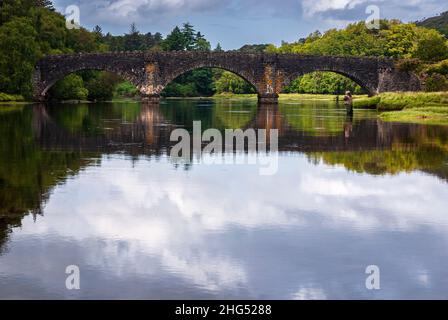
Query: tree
(231, 83)
(19, 51)
(218, 48)
(431, 46)
(399, 40)
(132, 40)
(102, 87)
(189, 37)
(174, 41)
(202, 45)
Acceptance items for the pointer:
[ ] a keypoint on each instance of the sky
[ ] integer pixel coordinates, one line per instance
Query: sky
(234, 23)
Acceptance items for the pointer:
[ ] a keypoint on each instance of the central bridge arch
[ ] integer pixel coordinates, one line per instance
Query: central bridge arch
(181, 71)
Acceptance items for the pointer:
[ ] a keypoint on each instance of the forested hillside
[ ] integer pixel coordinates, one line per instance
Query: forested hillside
(439, 23)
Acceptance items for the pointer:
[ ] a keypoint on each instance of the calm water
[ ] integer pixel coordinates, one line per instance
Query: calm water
(94, 186)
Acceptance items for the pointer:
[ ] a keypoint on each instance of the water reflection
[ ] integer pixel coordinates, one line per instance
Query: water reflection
(92, 185)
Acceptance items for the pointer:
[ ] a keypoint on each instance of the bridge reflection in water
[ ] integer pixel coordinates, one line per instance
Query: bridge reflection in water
(149, 131)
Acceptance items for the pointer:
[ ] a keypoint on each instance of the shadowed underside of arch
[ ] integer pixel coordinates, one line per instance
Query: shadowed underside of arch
(151, 72)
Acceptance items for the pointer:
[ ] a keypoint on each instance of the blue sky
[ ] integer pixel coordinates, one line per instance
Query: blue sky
(234, 23)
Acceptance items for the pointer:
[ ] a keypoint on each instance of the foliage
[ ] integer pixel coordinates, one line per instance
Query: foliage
(19, 50)
(431, 46)
(102, 88)
(440, 68)
(323, 83)
(229, 82)
(436, 82)
(126, 89)
(71, 87)
(408, 64)
(394, 39)
(407, 41)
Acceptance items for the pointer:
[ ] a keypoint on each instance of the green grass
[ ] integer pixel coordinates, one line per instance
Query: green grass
(435, 114)
(406, 100)
(364, 102)
(417, 107)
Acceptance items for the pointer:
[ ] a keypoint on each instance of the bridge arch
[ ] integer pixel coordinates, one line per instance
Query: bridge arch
(60, 76)
(51, 69)
(370, 90)
(246, 76)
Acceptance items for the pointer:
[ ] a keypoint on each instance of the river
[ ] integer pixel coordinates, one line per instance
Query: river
(95, 186)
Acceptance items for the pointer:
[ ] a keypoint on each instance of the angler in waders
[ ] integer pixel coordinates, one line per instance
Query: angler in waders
(348, 101)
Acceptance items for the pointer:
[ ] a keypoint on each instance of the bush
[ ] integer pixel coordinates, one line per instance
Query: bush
(69, 88)
(126, 89)
(431, 47)
(408, 64)
(102, 87)
(436, 82)
(441, 68)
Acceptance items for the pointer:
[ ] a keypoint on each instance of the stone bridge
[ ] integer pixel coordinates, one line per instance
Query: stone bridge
(151, 72)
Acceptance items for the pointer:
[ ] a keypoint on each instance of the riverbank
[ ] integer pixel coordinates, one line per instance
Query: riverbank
(5, 97)
(415, 107)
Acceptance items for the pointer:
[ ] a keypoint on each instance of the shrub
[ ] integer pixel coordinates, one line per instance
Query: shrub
(71, 87)
(408, 64)
(436, 82)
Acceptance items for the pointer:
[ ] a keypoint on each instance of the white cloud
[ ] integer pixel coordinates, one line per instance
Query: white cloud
(312, 7)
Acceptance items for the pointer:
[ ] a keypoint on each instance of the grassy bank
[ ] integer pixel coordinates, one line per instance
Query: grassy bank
(5, 97)
(408, 100)
(417, 107)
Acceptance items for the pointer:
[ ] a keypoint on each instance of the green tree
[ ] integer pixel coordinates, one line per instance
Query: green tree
(431, 46)
(229, 82)
(201, 44)
(132, 40)
(19, 51)
(102, 87)
(189, 37)
(218, 48)
(174, 41)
